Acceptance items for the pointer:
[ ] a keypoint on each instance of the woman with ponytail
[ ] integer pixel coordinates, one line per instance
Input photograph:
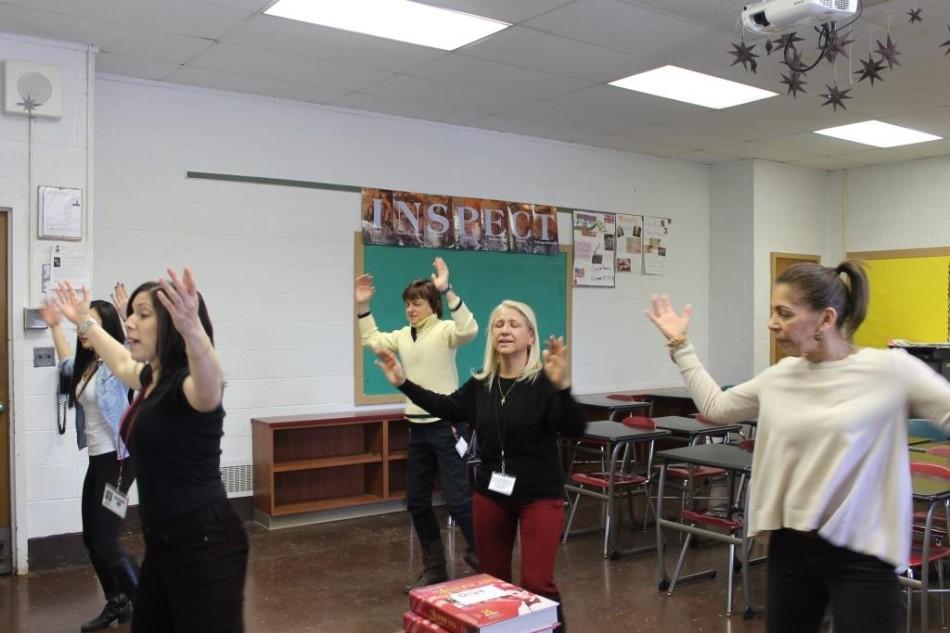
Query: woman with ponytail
(831, 478)
(99, 399)
(195, 544)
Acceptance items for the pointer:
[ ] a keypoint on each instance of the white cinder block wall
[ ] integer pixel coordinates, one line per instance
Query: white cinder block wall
(276, 263)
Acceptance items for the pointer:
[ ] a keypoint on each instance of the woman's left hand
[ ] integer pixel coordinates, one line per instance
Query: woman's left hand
(555, 362)
(440, 278)
(180, 298)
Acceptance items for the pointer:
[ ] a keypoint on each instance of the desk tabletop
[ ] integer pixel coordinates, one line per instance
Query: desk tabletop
(680, 425)
(611, 401)
(727, 456)
(616, 432)
(925, 488)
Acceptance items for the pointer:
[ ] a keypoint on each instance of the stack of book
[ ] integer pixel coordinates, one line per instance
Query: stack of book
(478, 604)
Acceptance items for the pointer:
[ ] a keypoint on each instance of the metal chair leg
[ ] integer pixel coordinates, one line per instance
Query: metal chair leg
(570, 517)
(679, 564)
(731, 579)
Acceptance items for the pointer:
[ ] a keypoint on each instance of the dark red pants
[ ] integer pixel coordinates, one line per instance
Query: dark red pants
(540, 523)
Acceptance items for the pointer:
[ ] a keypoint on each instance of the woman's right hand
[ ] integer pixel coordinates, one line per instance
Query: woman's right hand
(73, 306)
(364, 289)
(673, 326)
(391, 367)
(120, 299)
(50, 313)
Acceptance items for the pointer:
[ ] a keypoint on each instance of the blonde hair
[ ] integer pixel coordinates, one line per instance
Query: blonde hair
(491, 363)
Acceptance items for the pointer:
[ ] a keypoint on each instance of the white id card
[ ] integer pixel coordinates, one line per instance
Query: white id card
(501, 483)
(461, 447)
(114, 501)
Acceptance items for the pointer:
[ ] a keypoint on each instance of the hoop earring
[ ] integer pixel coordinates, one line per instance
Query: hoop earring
(818, 336)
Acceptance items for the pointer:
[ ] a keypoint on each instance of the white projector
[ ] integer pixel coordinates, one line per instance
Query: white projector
(776, 16)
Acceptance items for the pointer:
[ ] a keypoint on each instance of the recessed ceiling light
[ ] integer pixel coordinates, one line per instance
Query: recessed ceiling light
(400, 20)
(672, 82)
(878, 134)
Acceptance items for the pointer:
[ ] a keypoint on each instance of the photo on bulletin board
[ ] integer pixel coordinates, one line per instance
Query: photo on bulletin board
(656, 245)
(595, 244)
(629, 243)
(59, 214)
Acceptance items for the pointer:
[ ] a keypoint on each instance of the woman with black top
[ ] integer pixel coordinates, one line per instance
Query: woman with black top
(519, 405)
(99, 399)
(195, 544)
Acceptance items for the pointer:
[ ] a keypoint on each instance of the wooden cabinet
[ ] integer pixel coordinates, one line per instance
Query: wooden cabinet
(313, 463)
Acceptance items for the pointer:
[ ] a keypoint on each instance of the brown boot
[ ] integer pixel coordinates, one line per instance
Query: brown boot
(433, 566)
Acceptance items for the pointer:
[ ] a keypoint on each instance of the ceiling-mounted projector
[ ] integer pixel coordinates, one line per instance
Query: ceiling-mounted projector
(776, 16)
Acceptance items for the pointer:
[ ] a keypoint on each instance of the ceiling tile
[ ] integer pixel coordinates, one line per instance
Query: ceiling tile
(504, 10)
(875, 156)
(886, 99)
(245, 5)
(444, 111)
(245, 60)
(935, 121)
(931, 79)
(551, 54)
(671, 135)
(626, 144)
(827, 163)
(254, 85)
(133, 66)
(495, 77)
(721, 14)
(764, 151)
(548, 120)
(930, 149)
(625, 108)
(708, 157)
(267, 32)
(441, 94)
(814, 144)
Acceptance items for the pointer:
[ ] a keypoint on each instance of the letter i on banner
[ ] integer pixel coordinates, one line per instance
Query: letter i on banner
(376, 217)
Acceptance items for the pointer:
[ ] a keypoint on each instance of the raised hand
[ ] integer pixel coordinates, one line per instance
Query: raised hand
(672, 325)
(180, 298)
(73, 306)
(440, 278)
(120, 299)
(50, 313)
(391, 367)
(364, 289)
(555, 362)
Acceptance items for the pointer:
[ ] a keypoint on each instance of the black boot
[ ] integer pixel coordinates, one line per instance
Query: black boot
(433, 566)
(118, 608)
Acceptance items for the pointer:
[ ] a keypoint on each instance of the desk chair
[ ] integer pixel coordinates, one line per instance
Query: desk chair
(918, 427)
(938, 550)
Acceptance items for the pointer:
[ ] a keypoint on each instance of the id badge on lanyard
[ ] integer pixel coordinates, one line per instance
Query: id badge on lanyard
(502, 482)
(115, 501)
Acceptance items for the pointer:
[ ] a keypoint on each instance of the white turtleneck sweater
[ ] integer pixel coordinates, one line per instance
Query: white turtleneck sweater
(831, 445)
(429, 359)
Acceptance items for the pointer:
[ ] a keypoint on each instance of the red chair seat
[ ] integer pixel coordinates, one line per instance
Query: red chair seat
(937, 552)
(601, 479)
(711, 520)
(699, 472)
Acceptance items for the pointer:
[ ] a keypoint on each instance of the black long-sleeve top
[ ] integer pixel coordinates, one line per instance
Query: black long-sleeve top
(534, 414)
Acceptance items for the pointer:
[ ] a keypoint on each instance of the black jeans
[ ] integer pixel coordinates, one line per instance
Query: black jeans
(432, 451)
(806, 572)
(116, 569)
(193, 575)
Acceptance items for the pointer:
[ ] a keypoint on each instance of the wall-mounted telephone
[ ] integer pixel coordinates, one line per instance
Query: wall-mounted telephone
(62, 402)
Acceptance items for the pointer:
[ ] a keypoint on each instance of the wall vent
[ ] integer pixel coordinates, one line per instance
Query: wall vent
(238, 479)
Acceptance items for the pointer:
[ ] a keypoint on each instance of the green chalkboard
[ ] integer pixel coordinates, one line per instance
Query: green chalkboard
(483, 279)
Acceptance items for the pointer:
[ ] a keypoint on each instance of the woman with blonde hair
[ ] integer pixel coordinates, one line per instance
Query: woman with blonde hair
(519, 403)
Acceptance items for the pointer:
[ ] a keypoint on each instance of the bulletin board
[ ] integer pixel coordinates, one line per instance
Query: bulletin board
(481, 278)
(909, 296)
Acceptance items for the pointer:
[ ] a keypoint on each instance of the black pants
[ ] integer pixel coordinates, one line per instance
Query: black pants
(193, 575)
(432, 451)
(116, 569)
(806, 572)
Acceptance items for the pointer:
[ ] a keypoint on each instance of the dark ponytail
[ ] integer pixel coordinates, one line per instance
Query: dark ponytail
(821, 287)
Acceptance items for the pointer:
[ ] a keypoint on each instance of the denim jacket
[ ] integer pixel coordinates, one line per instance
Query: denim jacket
(113, 399)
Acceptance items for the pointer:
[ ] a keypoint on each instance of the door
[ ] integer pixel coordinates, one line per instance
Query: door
(780, 262)
(6, 533)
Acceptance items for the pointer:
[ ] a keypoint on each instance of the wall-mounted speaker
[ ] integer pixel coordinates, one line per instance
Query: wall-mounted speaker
(34, 90)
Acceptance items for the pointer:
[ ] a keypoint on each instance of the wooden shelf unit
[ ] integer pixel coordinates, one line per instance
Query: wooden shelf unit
(313, 463)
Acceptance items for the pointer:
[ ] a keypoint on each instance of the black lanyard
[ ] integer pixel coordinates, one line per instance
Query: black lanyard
(502, 428)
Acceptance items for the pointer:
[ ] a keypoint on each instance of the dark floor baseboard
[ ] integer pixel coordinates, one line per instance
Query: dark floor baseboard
(67, 550)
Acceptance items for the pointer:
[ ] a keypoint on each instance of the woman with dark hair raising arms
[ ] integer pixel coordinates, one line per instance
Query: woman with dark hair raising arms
(100, 399)
(831, 478)
(195, 544)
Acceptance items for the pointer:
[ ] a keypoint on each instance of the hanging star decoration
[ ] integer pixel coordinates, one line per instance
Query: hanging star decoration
(783, 41)
(947, 44)
(795, 65)
(871, 69)
(744, 55)
(915, 16)
(837, 46)
(795, 83)
(888, 52)
(835, 97)
(28, 104)
(769, 47)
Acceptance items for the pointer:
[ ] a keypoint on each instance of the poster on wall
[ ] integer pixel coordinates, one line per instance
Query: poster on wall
(629, 243)
(656, 244)
(594, 248)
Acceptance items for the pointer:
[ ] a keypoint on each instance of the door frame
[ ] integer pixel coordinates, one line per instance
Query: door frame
(773, 265)
(7, 212)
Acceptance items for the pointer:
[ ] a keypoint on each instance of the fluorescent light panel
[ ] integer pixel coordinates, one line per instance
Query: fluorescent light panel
(672, 82)
(878, 134)
(393, 19)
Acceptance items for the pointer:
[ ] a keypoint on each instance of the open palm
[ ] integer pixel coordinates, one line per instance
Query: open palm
(555, 362)
(363, 289)
(671, 324)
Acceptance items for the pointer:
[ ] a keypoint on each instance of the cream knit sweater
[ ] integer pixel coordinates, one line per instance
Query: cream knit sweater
(831, 446)
(429, 360)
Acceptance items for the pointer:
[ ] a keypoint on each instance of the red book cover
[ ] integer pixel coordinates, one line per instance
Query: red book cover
(414, 623)
(483, 604)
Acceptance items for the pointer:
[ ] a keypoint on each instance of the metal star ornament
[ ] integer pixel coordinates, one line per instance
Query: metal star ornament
(795, 83)
(837, 46)
(28, 104)
(888, 52)
(789, 39)
(835, 97)
(915, 16)
(871, 69)
(744, 55)
(947, 44)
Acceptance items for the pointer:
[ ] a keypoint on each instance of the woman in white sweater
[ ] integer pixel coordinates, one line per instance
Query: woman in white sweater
(831, 475)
